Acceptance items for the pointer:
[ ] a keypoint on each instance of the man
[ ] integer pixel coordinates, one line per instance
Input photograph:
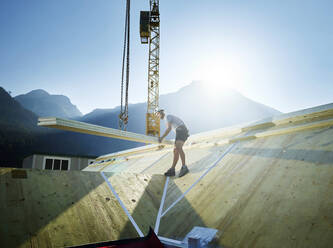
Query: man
(175, 123)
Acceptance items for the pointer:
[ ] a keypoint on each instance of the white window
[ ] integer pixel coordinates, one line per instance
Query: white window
(56, 163)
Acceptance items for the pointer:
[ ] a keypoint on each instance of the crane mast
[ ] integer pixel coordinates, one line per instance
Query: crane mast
(150, 33)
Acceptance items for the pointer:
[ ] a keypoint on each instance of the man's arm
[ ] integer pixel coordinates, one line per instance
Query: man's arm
(167, 131)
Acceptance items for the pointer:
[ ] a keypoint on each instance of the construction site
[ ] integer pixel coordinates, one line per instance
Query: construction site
(266, 183)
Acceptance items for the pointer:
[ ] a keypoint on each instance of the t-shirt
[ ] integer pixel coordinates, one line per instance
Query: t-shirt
(174, 121)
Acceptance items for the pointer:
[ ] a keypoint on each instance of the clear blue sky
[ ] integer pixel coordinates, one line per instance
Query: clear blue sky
(279, 53)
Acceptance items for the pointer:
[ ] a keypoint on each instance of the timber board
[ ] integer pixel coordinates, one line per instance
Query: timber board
(59, 208)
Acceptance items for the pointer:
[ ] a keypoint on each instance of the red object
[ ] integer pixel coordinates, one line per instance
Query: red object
(150, 241)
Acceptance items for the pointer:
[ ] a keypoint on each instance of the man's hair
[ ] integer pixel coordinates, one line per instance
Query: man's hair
(161, 111)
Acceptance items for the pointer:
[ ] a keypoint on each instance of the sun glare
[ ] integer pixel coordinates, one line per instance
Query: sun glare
(220, 74)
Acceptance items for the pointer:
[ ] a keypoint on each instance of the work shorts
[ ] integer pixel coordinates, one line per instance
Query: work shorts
(182, 133)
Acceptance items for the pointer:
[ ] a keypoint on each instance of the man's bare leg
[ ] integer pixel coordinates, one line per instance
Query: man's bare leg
(175, 157)
(171, 171)
(177, 151)
(179, 147)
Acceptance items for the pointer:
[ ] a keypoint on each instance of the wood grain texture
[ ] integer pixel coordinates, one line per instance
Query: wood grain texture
(273, 189)
(271, 192)
(57, 209)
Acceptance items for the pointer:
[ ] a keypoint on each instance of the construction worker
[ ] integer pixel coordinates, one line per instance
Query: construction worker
(175, 123)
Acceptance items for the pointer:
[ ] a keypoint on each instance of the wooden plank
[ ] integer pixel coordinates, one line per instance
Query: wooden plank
(258, 126)
(298, 128)
(281, 131)
(245, 138)
(81, 127)
(302, 115)
(128, 152)
(319, 111)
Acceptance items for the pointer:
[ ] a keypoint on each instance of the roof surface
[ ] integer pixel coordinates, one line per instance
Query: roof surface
(265, 184)
(272, 187)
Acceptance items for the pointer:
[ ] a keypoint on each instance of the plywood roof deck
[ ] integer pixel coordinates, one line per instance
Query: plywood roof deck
(269, 192)
(58, 209)
(273, 187)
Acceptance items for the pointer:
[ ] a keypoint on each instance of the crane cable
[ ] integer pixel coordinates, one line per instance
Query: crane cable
(123, 116)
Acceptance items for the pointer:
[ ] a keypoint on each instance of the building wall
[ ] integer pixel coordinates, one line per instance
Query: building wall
(27, 162)
(39, 161)
(83, 163)
(76, 163)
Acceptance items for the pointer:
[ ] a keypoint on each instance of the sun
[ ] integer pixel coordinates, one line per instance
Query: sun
(220, 73)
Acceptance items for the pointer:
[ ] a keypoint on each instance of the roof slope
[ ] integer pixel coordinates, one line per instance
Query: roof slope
(272, 187)
(266, 184)
(57, 209)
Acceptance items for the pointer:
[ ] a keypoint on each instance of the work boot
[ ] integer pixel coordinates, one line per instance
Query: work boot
(170, 173)
(184, 170)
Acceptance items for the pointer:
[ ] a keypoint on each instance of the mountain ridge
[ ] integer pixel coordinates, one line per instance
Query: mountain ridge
(195, 105)
(201, 111)
(44, 104)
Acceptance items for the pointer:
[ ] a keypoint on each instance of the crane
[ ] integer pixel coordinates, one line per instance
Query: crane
(150, 34)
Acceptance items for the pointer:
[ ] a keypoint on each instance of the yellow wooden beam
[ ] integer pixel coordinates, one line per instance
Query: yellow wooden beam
(301, 115)
(298, 128)
(81, 127)
(281, 131)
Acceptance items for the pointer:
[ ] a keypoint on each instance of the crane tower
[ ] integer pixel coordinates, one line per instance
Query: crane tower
(150, 34)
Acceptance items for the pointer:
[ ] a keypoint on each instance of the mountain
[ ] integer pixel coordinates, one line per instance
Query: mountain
(17, 130)
(200, 107)
(13, 114)
(203, 107)
(43, 104)
(20, 136)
